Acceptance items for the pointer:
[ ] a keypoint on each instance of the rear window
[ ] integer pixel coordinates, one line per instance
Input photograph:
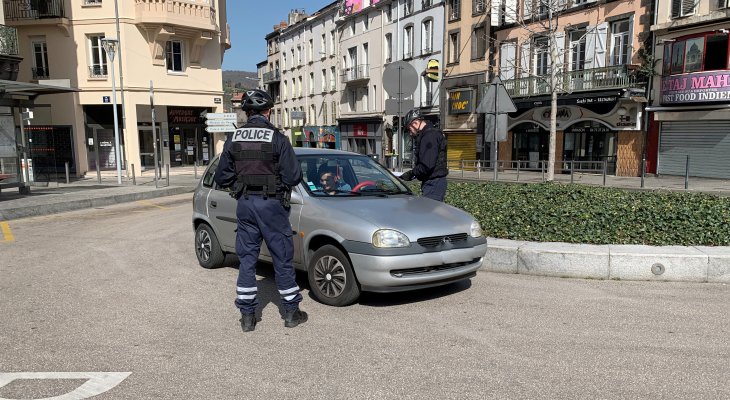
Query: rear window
(209, 174)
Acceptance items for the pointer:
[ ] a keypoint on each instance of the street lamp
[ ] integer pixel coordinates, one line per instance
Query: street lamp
(110, 47)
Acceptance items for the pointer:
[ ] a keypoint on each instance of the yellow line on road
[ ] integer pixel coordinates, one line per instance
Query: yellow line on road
(149, 203)
(7, 233)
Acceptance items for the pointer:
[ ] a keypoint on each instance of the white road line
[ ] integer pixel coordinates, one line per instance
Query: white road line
(97, 383)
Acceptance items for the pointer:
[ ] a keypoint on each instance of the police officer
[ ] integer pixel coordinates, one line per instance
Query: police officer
(259, 164)
(430, 156)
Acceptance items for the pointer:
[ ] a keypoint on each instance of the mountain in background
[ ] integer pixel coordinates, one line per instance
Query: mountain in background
(237, 81)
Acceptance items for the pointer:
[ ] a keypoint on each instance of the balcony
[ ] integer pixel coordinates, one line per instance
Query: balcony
(40, 73)
(9, 59)
(359, 73)
(31, 10)
(613, 77)
(98, 72)
(272, 76)
(183, 13)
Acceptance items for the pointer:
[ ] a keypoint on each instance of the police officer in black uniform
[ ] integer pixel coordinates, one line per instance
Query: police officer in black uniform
(430, 156)
(259, 165)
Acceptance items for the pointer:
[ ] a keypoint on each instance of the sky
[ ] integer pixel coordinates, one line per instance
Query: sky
(251, 21)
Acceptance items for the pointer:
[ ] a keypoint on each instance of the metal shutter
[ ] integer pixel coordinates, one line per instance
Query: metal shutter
(706, 142)
(461, 146)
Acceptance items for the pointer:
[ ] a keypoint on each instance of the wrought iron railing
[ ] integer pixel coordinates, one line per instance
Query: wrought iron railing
(98, 71)
(40, 72)
(356, 73)
(33, 9)
(8, 40)
(613, 77)
(272, 76)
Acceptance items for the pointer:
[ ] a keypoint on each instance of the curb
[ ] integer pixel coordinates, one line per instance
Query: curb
(65, 205)
(614, 262)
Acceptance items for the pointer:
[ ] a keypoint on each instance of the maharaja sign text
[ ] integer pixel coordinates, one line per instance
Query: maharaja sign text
(700, 87)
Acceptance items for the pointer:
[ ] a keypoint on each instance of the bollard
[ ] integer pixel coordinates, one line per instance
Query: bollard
(479, 169)
(134, 177)
(643, 171)
(462, 167)
(98, 173)
(572, 168)
(686, 174)
(496, 170)
(518, 170)
(68, 178)
(605, 166)
(167, 174)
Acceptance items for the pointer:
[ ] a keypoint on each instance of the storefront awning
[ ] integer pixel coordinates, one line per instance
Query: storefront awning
(30, 90)
(688, 108)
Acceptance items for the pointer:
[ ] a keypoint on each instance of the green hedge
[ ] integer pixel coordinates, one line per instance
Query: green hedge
(554, 212)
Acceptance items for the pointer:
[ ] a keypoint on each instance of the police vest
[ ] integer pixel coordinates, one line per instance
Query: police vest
(257, 167)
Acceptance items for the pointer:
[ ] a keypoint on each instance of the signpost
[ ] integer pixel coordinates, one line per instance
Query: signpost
(496, 103)
(400, 80)
(220, 122)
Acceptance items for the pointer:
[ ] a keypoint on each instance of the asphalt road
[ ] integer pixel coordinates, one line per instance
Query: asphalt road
(118, 289)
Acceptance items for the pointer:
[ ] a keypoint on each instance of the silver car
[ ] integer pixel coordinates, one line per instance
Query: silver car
(370, 233)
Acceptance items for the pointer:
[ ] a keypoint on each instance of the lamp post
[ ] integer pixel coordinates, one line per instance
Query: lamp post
(110, 47)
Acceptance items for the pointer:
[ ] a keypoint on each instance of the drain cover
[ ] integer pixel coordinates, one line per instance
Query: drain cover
(657, 269)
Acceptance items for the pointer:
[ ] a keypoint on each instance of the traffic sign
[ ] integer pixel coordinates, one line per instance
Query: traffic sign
(221, 116)
(228, 122)
(400, 79)
(211, 129)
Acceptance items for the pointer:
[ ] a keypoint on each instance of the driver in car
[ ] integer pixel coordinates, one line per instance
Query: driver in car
(331, 184)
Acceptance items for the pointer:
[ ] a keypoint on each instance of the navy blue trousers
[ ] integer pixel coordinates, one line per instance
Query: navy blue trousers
(434, 188)
(264, 218)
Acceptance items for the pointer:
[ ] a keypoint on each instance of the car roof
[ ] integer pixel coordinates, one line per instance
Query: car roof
(308, 151)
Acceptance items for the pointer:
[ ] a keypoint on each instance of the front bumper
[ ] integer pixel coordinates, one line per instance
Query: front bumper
(393, 273)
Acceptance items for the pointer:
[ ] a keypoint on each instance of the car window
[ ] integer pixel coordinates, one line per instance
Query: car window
(209, 174)
(350, 175)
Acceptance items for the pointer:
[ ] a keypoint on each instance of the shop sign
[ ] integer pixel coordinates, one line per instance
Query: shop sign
(699, 87)
(177, 116)
(460, 102)
(360, 130)
(624, 116)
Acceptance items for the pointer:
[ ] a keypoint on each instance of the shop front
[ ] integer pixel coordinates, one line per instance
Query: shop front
(188, 141)
(691, 126)
(591, 130)
(321, 137)
(100, 137)
(364, 136)
(463, 131)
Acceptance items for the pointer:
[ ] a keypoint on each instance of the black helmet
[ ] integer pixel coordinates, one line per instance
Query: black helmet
(412, 115)
(256, 100)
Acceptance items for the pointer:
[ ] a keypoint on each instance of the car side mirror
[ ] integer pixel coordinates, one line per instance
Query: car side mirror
(296, 197)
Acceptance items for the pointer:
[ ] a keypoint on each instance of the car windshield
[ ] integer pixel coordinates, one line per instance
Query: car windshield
(345, 175)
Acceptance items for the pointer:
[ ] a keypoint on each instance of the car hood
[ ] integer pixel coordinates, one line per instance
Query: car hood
(413, 215)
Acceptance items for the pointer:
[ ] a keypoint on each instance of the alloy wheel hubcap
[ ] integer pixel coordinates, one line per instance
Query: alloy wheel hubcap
(329, 276)
(204, 245)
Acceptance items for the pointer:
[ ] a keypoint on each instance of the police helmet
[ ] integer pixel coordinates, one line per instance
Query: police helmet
(256, 100)
(413, 115)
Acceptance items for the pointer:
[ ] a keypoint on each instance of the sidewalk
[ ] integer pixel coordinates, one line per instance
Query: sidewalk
(88, 192)
(620, 262)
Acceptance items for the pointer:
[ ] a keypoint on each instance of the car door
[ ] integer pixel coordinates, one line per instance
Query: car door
(222, 213)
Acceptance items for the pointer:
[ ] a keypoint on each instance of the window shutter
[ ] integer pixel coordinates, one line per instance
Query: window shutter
(676, 8)
(590, 46)
(510, 11)
(560, 49)
(688, 7)
(525, 67)
(527, 10)
(600, 50)
(496, 12)
(507, 61)
(631, 40)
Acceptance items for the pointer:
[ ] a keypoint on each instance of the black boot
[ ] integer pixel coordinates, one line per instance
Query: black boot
(294, 317)
(248, 322)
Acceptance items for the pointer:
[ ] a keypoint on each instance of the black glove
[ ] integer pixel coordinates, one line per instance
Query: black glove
(408, 175)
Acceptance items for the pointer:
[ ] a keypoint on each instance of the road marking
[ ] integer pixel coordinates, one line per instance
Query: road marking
(97, 383)
(149, 203)
(7, 233)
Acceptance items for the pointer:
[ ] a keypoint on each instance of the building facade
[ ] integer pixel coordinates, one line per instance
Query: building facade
(690, 111)
(466, 58)
(177, 46)
(596, 49)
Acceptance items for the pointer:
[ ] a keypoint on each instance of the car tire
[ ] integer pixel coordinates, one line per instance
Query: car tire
(207, 248)
(331, 278)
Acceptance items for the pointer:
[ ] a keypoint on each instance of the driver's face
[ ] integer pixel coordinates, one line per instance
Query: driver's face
(328, 181)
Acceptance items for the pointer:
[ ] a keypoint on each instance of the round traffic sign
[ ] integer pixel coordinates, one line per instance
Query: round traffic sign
(401, 75)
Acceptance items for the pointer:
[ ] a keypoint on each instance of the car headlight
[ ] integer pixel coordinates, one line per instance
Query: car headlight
(390, 238)
(475, 230)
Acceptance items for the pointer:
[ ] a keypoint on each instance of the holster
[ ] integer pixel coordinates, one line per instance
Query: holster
(286, 199)
(237, 190)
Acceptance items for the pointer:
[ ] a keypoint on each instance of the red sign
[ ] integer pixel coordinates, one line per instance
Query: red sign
(360, 130)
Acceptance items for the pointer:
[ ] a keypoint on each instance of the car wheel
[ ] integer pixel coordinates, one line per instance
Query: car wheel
(207, 247)
(331, 278)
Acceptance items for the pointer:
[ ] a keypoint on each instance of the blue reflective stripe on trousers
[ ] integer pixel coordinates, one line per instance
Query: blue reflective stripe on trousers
(266, 219)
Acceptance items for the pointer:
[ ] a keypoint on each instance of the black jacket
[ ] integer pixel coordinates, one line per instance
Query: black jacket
(289, 168)
(430, 154)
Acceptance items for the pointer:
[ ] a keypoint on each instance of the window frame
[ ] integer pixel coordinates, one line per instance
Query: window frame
(169, 50)
(97, 51)
(668, 53)
(454, 11)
